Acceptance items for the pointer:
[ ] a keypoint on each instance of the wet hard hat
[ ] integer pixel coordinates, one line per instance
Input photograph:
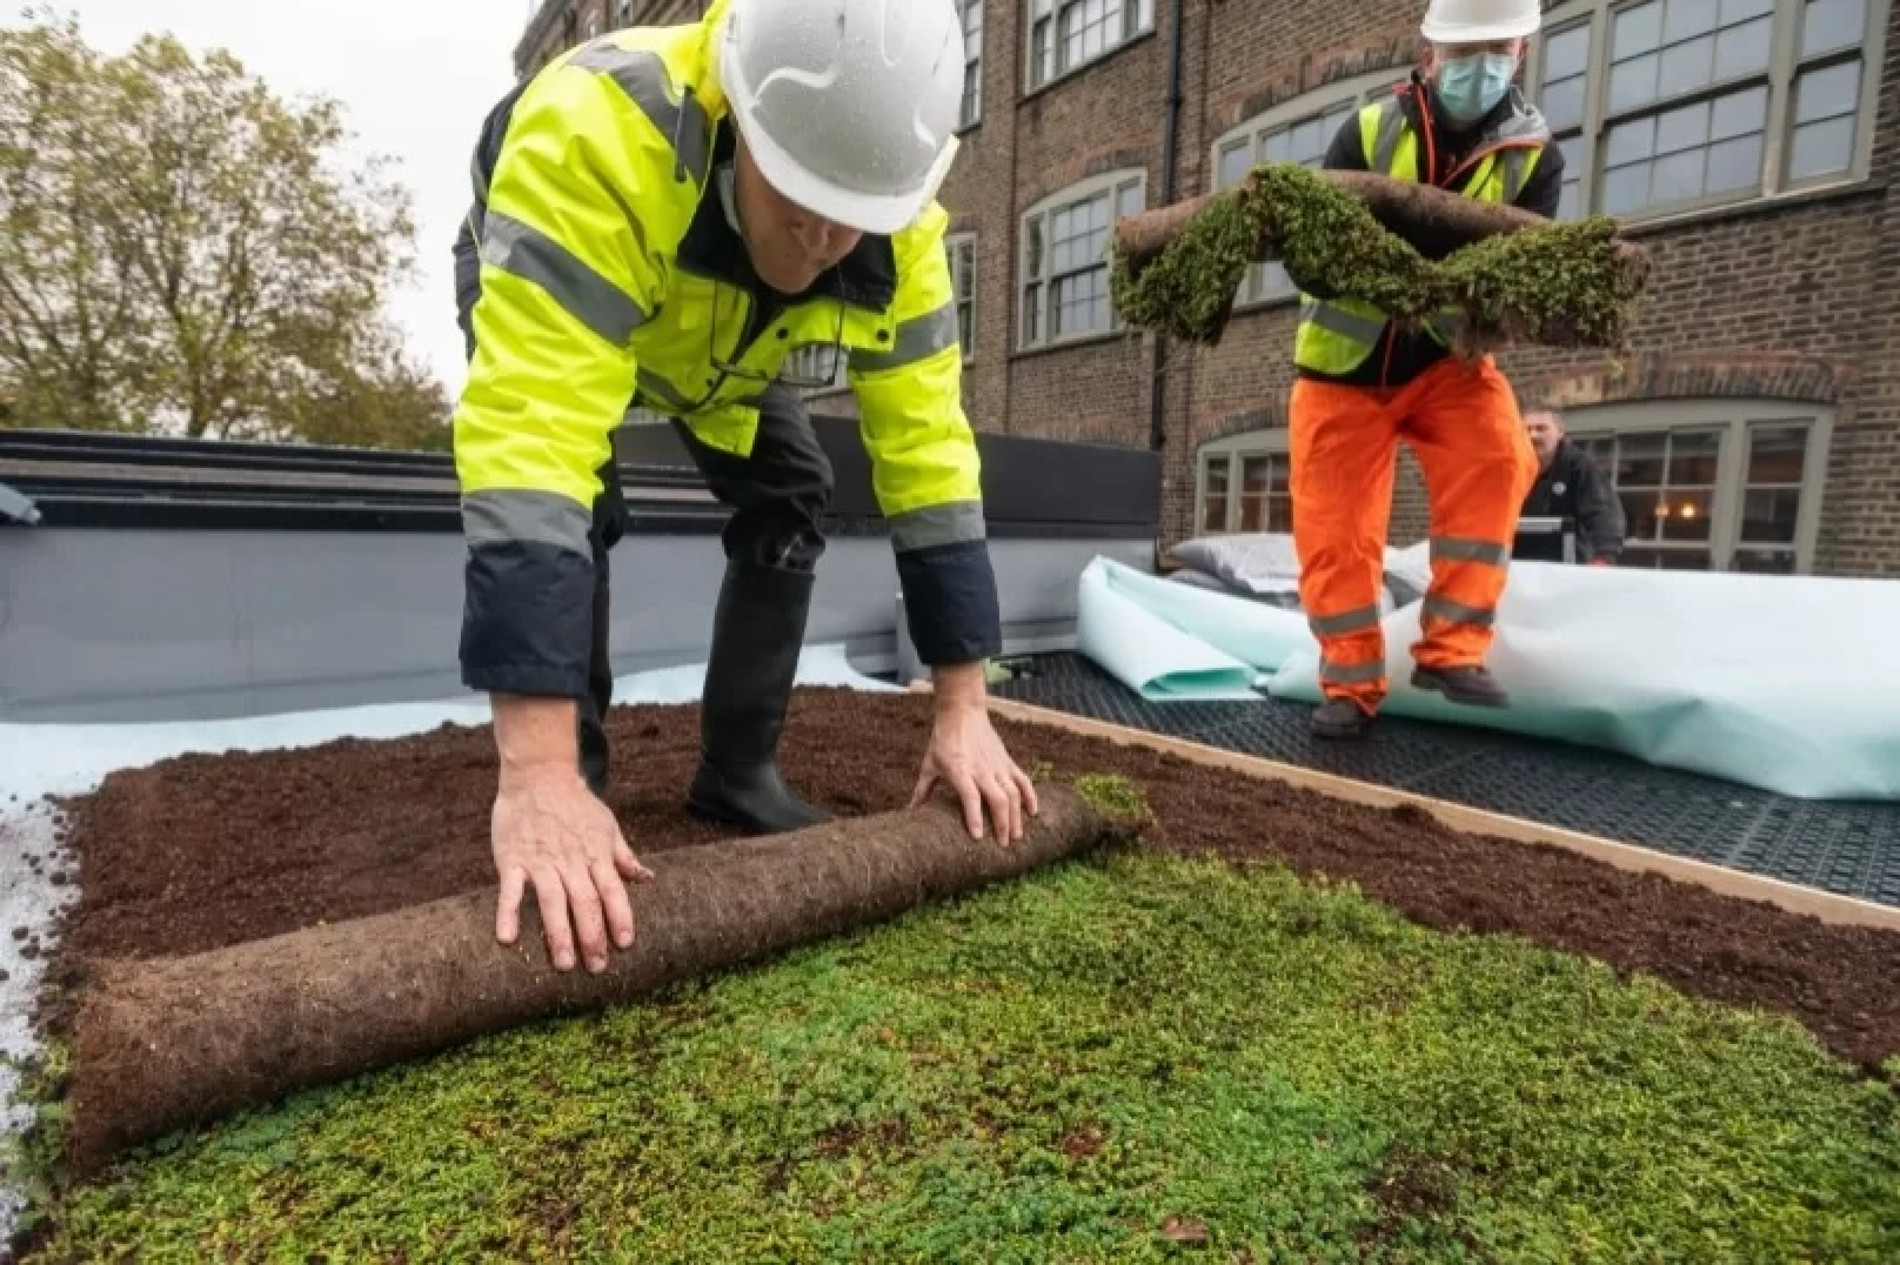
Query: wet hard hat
(1480, 21)
(849, 107)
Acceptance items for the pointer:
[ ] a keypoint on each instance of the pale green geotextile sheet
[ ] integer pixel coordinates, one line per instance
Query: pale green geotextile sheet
(1790, 684)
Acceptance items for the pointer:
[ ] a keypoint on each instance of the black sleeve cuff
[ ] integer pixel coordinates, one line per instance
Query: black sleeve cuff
(950, 602)
(527, 620)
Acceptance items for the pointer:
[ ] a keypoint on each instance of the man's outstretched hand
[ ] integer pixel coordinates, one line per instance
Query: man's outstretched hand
(966, 752)
(550, 831)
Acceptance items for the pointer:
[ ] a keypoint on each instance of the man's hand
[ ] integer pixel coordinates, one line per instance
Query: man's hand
(550, 830)
(966, 752)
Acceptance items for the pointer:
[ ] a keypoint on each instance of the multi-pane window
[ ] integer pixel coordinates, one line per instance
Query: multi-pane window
(1065, 259)
(1667, 483)
(1667, 105)
(1266, 496)
(1706, 485)
(1246, 491)
(815, 363)
(961, 249)
(1300, 131)
(1067, 34)
(1565, 102)
(1214, 494)
(1712, 486)
(972, 63)
(1767, 534)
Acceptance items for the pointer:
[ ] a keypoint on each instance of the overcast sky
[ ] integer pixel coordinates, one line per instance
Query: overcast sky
(416, 89)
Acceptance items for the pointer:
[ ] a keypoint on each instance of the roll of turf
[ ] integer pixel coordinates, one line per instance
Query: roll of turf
(171, 1043)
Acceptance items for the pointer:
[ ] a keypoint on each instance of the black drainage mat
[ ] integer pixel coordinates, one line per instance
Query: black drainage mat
(1850, 847)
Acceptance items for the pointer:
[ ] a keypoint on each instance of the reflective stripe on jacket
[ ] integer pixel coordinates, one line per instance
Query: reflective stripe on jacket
(585, 196)
(1336, 335)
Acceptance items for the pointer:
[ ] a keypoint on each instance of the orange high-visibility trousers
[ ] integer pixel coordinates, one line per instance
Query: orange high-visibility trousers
(1461, 422)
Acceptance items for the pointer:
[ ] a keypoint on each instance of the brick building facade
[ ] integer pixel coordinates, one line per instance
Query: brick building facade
(1748, 144)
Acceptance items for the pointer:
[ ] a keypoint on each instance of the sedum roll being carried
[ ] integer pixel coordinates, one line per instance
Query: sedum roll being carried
(166, 1044)
(1412, 250)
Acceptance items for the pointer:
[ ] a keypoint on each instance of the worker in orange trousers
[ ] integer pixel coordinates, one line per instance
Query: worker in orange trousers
(1363, 384)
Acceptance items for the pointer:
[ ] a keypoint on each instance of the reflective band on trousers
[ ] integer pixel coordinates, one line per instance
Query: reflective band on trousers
(1452, 549)
(1351, 673)
(1345, 622)
(1456, 612)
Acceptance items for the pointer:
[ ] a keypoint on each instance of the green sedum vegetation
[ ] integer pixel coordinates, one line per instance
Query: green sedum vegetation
(1129, 1058)
(1565, 284)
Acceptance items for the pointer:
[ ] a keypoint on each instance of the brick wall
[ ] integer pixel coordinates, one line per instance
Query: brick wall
(1791, 300)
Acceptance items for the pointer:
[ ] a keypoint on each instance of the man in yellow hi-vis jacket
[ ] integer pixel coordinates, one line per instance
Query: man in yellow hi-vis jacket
(664, 215)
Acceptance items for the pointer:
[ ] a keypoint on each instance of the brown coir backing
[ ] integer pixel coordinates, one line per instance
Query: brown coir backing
(205, 851)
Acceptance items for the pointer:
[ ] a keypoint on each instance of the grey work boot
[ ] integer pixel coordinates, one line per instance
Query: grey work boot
(1473, 686)
(1340, 718)
(758, 631)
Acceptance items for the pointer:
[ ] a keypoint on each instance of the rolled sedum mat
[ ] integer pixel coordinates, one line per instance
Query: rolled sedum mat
(170, 1043)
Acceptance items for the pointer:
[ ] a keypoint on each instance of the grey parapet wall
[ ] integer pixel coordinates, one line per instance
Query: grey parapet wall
(176, 579)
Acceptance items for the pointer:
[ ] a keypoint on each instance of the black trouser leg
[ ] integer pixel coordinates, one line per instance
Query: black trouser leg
(609, 524)
(773, 541)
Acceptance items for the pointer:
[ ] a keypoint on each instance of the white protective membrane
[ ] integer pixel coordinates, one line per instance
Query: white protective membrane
(1786, 683)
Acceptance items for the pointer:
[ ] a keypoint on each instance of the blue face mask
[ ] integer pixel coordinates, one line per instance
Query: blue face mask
(1469, 87)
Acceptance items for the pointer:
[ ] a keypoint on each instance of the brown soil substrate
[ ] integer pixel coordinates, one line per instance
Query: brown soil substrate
(201, 851)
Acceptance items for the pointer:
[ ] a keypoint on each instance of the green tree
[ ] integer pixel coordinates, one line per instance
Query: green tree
(182, 250)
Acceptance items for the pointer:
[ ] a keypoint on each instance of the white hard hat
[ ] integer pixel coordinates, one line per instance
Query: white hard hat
(849, 107)
(1480, 21)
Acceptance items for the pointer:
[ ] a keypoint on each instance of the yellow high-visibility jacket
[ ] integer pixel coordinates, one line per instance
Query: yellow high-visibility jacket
(587, 180)
(1510, 159)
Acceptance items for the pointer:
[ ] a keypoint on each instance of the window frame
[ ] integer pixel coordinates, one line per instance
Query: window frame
(1361, 90)
(1109, 184)
(1138, 21)
(840, 373)
(1737, 420)
(968, 115)
(1234, 450)
(957, 246)
(1780, 79)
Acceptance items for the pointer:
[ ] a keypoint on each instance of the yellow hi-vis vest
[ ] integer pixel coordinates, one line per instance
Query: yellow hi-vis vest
(585, 302)
(1336, 335)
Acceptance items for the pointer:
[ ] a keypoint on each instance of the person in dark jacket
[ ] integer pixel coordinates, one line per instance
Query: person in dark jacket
(1569, 485)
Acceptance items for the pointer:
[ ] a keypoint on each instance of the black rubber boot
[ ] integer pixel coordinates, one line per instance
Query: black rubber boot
(758, 630)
